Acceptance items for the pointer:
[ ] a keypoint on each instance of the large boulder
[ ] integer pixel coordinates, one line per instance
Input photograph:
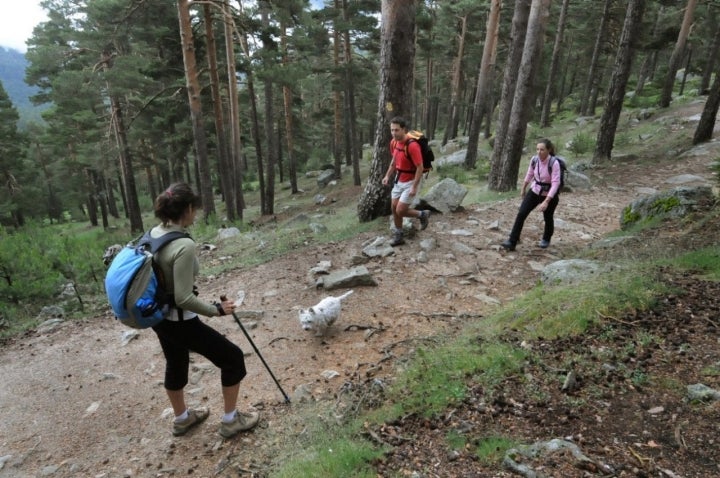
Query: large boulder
(673, 203)
(445, 196)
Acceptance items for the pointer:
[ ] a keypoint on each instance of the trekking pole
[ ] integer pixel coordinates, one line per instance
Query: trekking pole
(287, 399)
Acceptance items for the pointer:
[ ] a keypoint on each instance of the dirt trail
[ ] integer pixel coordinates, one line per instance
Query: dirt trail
(75, 402)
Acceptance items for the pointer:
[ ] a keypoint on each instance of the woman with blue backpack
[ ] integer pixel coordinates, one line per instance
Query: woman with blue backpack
(182, 331)
(544, 173)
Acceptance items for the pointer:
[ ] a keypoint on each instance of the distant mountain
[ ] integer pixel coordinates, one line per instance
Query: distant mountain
(12, 75)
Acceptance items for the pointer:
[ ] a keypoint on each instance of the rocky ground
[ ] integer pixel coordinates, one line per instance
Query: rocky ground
(76, 400)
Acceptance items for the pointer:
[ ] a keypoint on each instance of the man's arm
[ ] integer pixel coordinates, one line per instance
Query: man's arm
(416, 157)
(391, 168)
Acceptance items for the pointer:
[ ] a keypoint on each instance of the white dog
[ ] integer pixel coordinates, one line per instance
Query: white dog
(322, 315)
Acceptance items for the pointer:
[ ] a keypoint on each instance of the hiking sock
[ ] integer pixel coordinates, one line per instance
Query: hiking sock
(182, 417)
(228, 417)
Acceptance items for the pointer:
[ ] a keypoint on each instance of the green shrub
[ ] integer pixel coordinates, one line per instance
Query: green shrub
(581, 143)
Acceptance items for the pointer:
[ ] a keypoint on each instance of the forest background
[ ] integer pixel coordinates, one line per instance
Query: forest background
(239, 98)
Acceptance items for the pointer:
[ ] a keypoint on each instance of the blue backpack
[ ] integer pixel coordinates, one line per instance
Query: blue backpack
(135, 285)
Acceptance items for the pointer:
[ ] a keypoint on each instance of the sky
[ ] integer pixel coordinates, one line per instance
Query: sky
(18, 21)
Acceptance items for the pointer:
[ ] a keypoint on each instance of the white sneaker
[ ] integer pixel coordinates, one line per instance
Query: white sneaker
(243, 421)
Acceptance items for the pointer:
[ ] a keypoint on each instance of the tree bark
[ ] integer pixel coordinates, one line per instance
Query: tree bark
(397, 57)
(677, 54)
(550, 90)
(512, 65)
(705, 127)
(350, 112)
(562, 94)
(254, 122)
(224, 170)
(454, 113)
(337, 97)
(272, 152)
(649, 60)
(521, 105)
(482, 93)
(591, 82)
(713, 50)
(193, 91)
(618, 82)
(289, 127)
(235, 150)
(128, 175)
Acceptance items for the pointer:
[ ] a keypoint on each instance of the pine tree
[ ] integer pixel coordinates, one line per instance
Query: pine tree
(11, 162)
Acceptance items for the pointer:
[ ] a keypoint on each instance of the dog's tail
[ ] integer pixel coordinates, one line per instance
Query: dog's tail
(345, 294)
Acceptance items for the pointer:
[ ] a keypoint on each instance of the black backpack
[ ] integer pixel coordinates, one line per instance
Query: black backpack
(563, 170)
(427, 153)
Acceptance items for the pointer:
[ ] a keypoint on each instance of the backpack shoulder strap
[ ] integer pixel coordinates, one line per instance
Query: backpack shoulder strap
(534, 163)
(409, 140)
(154, 244)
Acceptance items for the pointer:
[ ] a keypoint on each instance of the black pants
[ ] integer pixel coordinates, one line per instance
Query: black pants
(530, 202)
(178, 339)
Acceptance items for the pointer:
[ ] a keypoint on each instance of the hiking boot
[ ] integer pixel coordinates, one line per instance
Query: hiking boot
(424, 221)
(195, 417)
(397, 239)
(508, 245)
(544, 244)
(242, 422)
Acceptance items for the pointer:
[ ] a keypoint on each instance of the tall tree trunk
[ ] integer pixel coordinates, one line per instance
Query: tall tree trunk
(618, 82)
(289, 128)
(522, 101)
(686, 70)
(350, 112)
(705, 127)
(272, 151)
(397, 57)
(254, 123)
(487, 66)
(550, 90)
(591, 82)
(99, 190)
(512, 65)
(92, 205)
(337, 97)
(454, 113)
(112, 203)
(426, 118)
(224, 169)
(677, 54)
(713, 50)
(236, 160)
(193, 91)
(649, 60)
(562, 94)
(128, 175)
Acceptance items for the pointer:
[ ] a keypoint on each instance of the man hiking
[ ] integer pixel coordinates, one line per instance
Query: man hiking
(406, 172)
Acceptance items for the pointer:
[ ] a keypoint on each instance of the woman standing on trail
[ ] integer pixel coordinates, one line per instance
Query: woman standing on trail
(544, 193)
(182, 331)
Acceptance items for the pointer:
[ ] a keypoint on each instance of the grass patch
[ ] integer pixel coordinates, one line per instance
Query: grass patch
(333, 457)
(437, 378)
(491, 450)
(706, 261)
(557, 311)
